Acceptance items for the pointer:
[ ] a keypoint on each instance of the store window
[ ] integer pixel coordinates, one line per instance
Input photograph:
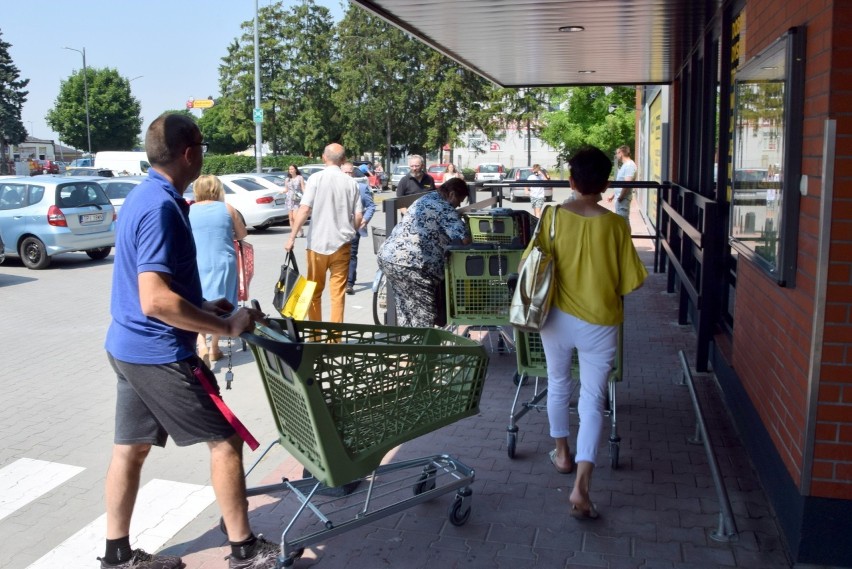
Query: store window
(766, 154)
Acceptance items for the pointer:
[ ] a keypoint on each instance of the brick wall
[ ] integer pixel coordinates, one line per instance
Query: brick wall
(832, 472)
(772, 335)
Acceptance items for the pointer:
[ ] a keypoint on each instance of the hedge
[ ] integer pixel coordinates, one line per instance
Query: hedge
(230, 164)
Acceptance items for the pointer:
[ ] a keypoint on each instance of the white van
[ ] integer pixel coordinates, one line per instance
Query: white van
(123, 163)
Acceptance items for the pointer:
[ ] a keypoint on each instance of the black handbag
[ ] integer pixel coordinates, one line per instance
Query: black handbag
(287, 279)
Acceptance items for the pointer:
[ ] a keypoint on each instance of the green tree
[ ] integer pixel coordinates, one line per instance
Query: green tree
(375, 97)
(601, 116)
(296, 78)
(12, 99)
(114, 113)
(456, 101)
(214, 127)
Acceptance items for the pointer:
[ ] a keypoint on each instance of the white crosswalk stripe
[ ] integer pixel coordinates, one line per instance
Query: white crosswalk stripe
(162, 509)
(27, 479)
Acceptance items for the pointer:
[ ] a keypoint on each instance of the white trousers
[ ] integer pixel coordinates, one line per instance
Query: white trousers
(596, 347)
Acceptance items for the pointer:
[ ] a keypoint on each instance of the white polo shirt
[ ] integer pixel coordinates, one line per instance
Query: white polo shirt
(334, 199)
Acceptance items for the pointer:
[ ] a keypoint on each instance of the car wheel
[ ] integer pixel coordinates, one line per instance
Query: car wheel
(261, 227)
(34, 254)
(99, 253)
(513, 198)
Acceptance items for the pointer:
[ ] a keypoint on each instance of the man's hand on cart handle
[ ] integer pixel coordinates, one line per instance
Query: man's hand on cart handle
(242, 320)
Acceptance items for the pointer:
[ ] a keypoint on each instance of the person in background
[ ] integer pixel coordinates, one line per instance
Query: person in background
(333, 202)
(369, 209)
(412, 257)
(215, 227)
(626, 173)
(452, 172)
(595, 265)
(294, 188)
(157, 313)
(536, 193)
(416, 181)
(380, 172)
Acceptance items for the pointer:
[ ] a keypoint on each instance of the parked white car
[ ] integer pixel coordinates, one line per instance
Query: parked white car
(257, 199)
(117, 188)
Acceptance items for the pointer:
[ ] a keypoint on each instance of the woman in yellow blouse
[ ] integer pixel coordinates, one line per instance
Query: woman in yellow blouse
(595, 265)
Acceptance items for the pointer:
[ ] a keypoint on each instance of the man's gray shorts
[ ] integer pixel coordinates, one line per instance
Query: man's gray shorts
(155, 401)
(537, 203)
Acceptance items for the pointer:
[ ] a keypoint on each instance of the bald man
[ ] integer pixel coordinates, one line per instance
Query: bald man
(333, 203)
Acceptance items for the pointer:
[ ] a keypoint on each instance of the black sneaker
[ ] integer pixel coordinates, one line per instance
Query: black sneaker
(142, 560)
(265, 556)
(349, 289)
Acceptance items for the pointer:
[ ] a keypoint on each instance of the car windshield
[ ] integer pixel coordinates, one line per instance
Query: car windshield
(401, 170)
(437, 169)
(489, 168)
(248, 184)
(119, 190)
(80, 194)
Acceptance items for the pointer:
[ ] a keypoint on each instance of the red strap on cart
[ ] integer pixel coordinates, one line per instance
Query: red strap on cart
(201, 372)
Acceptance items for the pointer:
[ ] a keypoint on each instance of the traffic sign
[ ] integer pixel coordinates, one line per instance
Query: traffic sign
(258, 115)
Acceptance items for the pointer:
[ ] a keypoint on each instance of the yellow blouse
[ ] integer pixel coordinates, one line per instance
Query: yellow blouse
(596, 264)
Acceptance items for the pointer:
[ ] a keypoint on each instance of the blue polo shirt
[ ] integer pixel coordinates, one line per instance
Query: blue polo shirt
(152, 234)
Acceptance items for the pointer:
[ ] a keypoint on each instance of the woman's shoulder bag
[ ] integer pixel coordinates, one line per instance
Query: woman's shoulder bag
(533, 293)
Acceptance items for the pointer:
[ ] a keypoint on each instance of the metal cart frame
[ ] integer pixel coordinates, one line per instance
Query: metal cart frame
(531, 363)
(342, 396)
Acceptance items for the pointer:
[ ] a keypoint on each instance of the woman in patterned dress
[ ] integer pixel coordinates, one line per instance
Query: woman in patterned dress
(412, 257)
(294, 188)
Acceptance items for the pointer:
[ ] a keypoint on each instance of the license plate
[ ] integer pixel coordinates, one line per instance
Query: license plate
(91, 218)
(280, 201)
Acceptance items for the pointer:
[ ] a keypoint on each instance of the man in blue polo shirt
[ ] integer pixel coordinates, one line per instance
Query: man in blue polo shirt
(157, 312)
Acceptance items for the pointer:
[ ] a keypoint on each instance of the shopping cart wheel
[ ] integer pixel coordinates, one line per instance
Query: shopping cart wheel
(613, 454)
(460, 509)
(517, 378)
(511, 441)
(426, 481)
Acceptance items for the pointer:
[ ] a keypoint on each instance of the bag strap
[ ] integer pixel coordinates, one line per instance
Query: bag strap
(290, 260)
(554, 211)
(552, 224)
(200, 371)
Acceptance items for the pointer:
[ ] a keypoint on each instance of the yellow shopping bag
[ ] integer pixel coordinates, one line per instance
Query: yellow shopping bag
(299, 299)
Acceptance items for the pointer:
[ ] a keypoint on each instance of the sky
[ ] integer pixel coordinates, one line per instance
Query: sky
(171, 50)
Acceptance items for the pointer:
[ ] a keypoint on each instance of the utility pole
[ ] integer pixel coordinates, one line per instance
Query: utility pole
(258, 126)
(85, 96)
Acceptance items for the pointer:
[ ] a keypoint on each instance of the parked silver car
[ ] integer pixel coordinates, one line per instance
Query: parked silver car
(521, 174)
(42, 216)
(398, 174)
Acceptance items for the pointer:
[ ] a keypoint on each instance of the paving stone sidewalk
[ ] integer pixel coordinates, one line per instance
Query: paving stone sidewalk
(658, 509)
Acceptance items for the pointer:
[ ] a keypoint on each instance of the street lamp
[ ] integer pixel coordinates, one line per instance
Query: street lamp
(258, 118)
(85, 95)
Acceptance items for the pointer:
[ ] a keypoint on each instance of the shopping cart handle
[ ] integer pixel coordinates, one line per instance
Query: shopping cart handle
(285, 349)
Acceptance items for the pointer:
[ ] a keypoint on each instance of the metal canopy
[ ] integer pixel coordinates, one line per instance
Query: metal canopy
(518, 43)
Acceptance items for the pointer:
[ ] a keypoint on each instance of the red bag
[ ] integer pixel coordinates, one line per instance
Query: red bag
(245, 267)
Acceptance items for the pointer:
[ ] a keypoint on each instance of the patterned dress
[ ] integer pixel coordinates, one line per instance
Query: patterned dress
(412, 258)
(294, 192)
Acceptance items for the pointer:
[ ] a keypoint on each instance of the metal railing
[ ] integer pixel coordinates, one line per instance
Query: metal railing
(727, 528)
